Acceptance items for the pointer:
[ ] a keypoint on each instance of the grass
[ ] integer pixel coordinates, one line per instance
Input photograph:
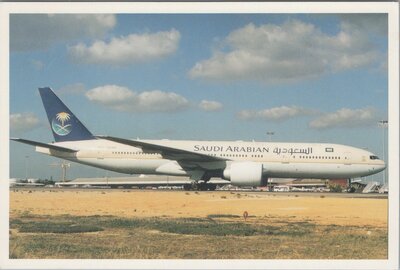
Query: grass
(217, 236)
(188, 226)
(58, 227)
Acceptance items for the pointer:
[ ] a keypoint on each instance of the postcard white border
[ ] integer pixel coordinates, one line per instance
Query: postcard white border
(392, 8)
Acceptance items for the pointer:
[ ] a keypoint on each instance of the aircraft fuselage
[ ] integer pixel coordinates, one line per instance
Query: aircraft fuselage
(279, 160)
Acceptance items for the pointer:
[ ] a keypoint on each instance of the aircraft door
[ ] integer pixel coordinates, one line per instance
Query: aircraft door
(100, 154)
(285, 158)
(348, 158)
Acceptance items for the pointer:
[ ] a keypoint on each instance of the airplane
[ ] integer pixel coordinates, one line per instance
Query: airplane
(242, 163)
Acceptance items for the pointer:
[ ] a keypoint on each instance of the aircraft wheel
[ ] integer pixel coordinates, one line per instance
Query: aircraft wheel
(203, 187)
(211, 187)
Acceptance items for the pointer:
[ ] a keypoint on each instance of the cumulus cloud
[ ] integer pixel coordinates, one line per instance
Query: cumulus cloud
(127, 49)
(40, 31)
(275, 114)
(289, 52)
(210, 106)
(346, 117)
(372, 23)
(23, 122)
(123, 99)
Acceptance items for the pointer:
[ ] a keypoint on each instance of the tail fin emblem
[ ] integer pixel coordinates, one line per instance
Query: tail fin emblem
(60, 124)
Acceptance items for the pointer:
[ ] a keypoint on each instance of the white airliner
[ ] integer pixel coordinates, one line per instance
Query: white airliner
(242, 163)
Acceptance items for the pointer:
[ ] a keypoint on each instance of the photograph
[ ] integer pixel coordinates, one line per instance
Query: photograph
(200, 135)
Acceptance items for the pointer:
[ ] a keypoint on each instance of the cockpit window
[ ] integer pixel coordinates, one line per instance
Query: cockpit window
(373, 157)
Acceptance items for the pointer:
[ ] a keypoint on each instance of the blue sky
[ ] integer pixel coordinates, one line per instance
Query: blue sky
(308, 78)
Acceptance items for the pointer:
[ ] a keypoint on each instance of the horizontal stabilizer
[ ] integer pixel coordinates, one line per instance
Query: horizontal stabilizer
(45, 145)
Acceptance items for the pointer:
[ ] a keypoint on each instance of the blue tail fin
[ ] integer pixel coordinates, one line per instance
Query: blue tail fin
(64, 124)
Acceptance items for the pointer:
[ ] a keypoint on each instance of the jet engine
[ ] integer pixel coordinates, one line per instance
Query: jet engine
(245, 174)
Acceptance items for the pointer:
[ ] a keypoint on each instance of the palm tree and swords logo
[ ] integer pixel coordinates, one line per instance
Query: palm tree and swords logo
(60, 124)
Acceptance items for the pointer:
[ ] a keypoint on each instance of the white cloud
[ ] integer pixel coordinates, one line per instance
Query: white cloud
(210, 106)
(275, 114)
(285, 53)
(123, 99)
(127, 49)
(346, 118)
(23, 122)
(39, 31)
(371, 23)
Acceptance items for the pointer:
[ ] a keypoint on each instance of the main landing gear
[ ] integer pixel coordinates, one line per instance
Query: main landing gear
(203, 186)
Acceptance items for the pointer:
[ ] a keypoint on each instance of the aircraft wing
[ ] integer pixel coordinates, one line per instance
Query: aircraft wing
(45, 145)
(165, 151)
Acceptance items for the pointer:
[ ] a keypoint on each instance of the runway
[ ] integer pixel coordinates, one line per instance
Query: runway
(267, 193)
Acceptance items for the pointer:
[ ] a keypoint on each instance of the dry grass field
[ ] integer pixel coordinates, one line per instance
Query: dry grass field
(62, 223)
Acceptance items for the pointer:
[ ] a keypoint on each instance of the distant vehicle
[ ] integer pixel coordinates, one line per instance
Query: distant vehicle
(27, 185)
(321, 189)
(384, 189)
(281, 188)
(13, 182)
(242, 163)
(32, 180)
(303, 189)
(371, 187)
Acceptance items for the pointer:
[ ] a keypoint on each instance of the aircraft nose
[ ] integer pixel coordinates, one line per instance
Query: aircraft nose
(380, 167)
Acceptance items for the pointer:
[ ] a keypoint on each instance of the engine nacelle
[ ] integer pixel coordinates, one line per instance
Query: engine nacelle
(245, 174)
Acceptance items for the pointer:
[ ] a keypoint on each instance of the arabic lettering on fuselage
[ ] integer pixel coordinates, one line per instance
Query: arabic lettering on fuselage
(292, 151)
(252, 149)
